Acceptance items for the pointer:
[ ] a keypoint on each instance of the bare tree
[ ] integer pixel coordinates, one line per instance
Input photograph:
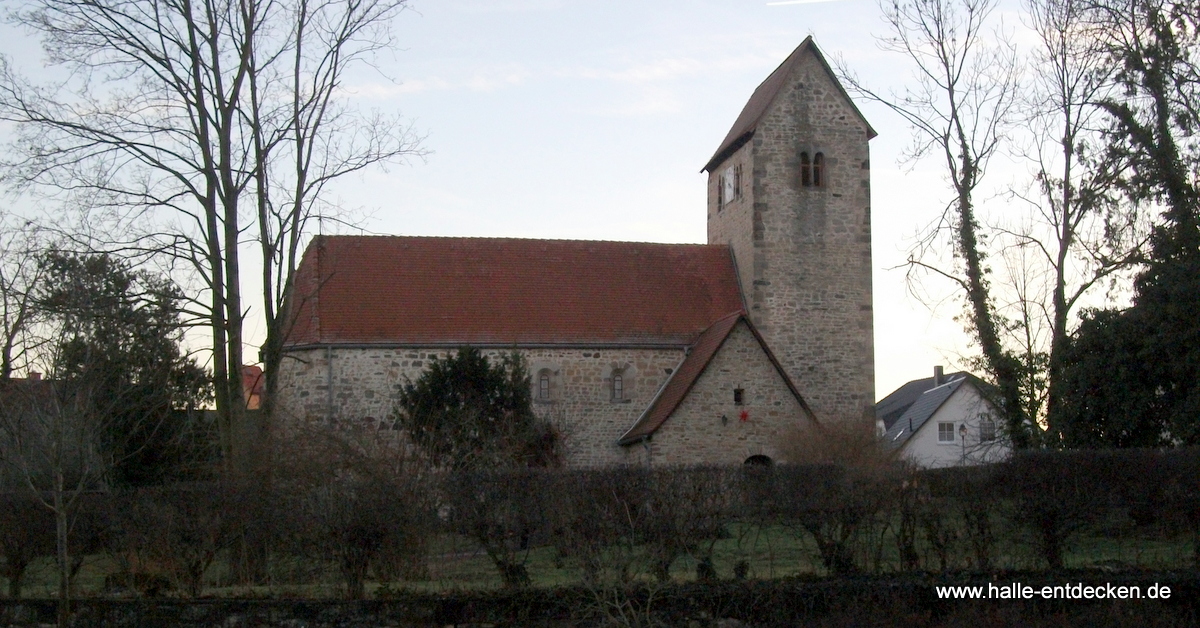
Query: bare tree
(179, 115)
(112, 359)
(21, 266)
(960, 110)
(50, 433)
(1080, 233)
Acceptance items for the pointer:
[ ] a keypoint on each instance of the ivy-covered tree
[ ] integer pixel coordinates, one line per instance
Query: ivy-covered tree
(1135, 374)
(467, 412)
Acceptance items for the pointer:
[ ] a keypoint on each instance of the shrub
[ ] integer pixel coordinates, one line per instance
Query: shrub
(26, 533)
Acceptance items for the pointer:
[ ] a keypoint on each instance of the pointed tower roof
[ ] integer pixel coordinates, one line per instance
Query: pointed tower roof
(747, 122)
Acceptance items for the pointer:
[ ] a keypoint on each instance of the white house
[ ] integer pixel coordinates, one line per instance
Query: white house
(942, 421)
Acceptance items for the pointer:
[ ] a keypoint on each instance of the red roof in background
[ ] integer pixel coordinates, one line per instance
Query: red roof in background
(428, 290)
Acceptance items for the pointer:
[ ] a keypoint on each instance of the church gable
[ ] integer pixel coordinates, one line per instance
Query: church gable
(761, 101)
(729, 400)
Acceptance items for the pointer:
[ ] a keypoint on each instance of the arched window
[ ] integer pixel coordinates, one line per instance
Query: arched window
(805, 170)
(543, 386)
(619, 381)
(818, 170)
(758, 460)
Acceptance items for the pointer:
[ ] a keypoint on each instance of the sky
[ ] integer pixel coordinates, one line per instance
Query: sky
(591, 119)
(588, 119)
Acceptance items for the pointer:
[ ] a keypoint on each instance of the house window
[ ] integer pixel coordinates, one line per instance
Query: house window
(805, 170)
(544, 386)
(739, 396)
(818, 170)
(945, 432)
(618, 388)
(987, 429)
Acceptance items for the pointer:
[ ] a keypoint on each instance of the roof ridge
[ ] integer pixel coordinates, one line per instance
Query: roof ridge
(764, 95)
(385, 236)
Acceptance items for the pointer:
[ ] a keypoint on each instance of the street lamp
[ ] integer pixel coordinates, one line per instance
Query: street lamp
(962, 433)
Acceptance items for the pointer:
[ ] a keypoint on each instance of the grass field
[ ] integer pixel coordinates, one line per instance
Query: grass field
(454, 563)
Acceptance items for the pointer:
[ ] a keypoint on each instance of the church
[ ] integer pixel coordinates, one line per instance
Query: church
(641, 353)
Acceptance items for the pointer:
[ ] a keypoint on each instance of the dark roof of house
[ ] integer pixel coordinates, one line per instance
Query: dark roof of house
(457, 291)
(18, 394)
(685, 376)
(898, 402)
(925, 407)
(747, 121)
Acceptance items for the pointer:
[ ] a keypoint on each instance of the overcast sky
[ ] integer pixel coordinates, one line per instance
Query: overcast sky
(591, 119)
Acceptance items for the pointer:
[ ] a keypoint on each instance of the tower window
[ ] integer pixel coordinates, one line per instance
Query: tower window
(805, 170)
(739, 396)
(729, 185)
(818, 170)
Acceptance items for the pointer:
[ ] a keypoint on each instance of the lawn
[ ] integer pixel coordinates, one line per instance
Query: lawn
(454, 563)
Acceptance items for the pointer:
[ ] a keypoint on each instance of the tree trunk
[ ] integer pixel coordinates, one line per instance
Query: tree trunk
(62, 529)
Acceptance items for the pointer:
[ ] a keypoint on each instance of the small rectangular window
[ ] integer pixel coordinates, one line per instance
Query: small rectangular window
(945, 432)
(987, 429)
(738, 396)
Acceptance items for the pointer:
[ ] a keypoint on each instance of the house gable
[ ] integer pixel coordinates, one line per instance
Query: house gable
(958, 404)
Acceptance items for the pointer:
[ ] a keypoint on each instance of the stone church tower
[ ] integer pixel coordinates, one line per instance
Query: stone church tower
(789, 192)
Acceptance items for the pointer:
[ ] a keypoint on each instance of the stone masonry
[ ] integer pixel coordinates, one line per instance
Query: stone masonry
(803, 254)
(366, 384)
(801, 270)
(709, 427)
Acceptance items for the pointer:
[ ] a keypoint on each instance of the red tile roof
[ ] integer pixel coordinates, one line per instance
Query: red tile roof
(425, 290)
(747, 121)
(253, 385)
(685, 377)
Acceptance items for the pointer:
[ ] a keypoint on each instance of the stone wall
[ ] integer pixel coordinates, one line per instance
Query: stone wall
(696, 432)
(363, 384)
(804, 253)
